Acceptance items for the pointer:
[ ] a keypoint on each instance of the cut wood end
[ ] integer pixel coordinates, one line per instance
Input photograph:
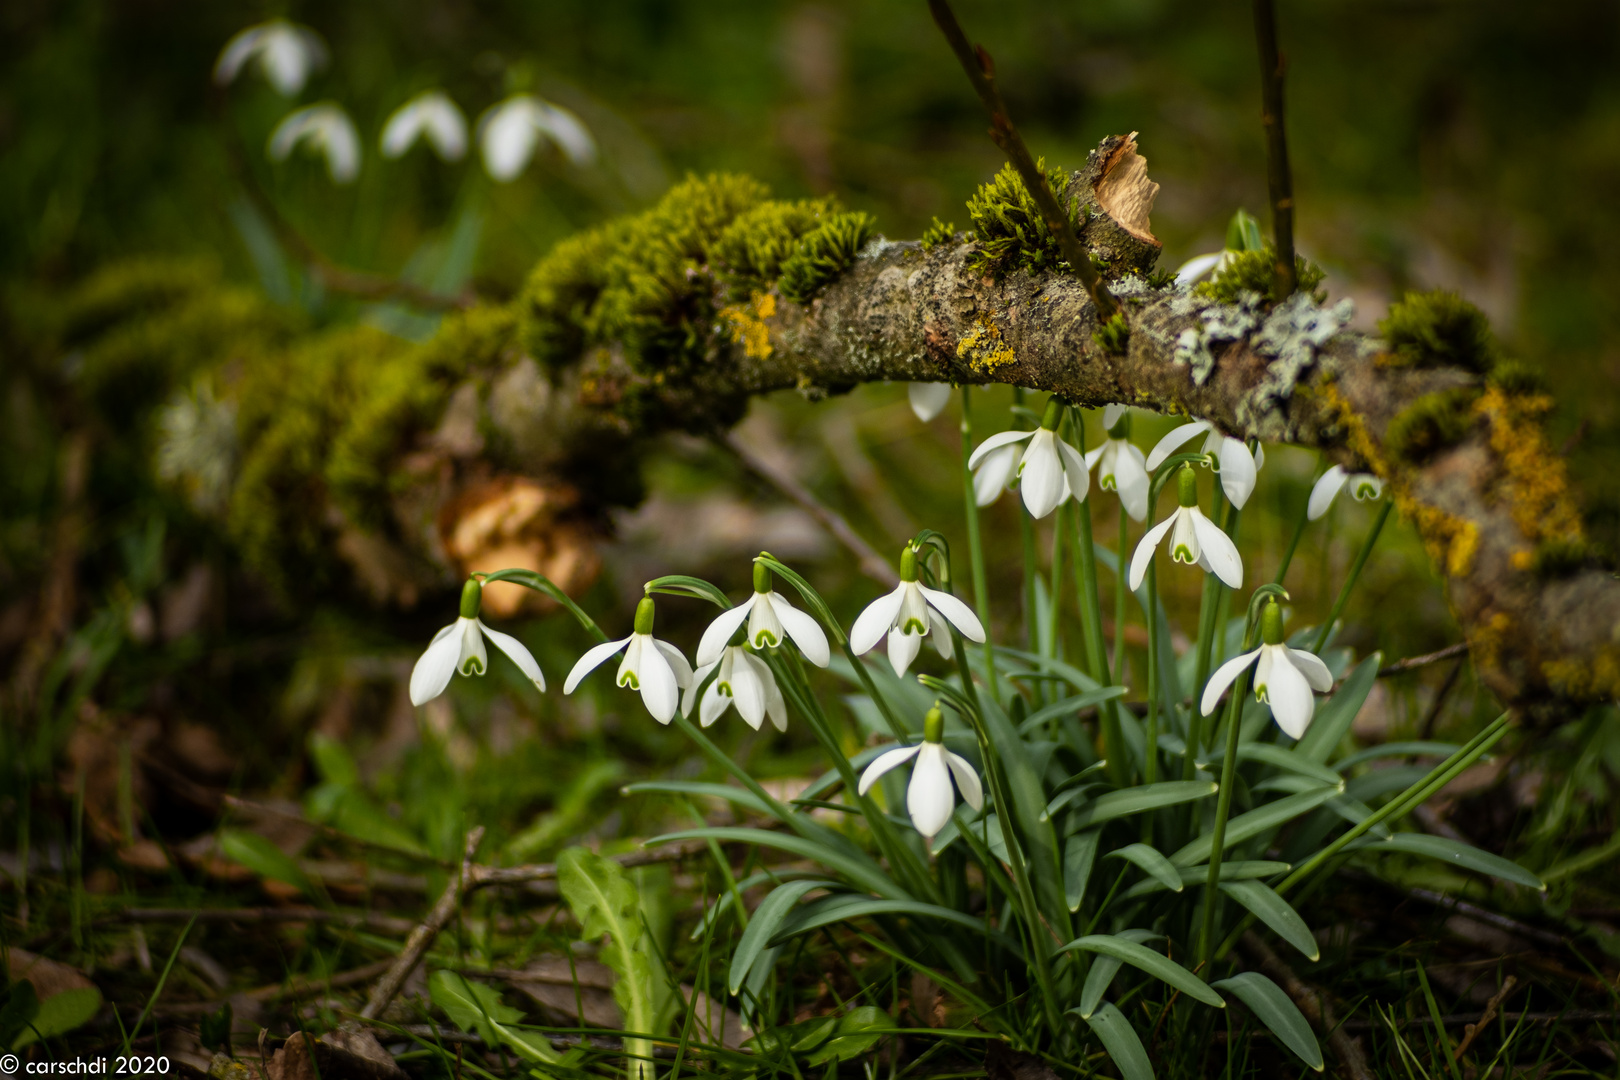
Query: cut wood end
(517, 522)
(1125, 193)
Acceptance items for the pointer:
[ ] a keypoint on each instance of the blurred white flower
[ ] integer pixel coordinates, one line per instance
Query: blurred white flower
(327, 129)
(928, 399)
(1196, 540)
(910, 613)
(654, 668)
(1283, 677)
(742, 680)
(285, 52)
(1119, 464)
(460, 647)
(430, 114)
(1362, 485)
(930, 797)
(1049, 470)
(1239, 468)
(510, 131)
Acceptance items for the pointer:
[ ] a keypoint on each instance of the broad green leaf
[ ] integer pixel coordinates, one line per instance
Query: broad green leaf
(354, 813)
(1068, 672)
(842, 908)
(1103, 970)
(861, 871)
(1147, 859)
(1121, 1042)
(1280, 1015)
(857, 1032)
(1159, 966)
(475, 1007)
(1262, 819)
(1136, 800)
(333, 761)
(263, 858)
(20, 1008)
(605, 901)
(1397, 749)
(740, 796)
(1068, 707)
(1275, 912)
(1464, 855)
(1238, 870)
(1079, 854)
(1291, 760)
(763, 924)
(1334, 716)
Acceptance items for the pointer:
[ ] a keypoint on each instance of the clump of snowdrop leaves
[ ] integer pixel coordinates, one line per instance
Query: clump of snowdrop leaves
(1194, 539)
(430, 115)
(1239, 469)
(510, 132)
(910, 613)
(1119, 464)
(771, 621)
(460, 647)
(928, 399)
(654, 668)
(1048, 470)
(285, 52)
(1362, 485)
(326, 129)
(1283, 677)
(930, 797)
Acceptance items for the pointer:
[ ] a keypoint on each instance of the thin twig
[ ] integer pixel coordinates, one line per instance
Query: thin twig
(520, 875)
(292, 988)
(417, 944)
(981, 72)
(872, 564)
(1432, 717)
(1278, 177)
(1411, 662)
(1312, 1002)
(387, 924)
(1471, 1032)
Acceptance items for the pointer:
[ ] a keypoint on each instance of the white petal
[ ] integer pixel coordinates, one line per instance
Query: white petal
(1132, 481)
(431, 114)
(883, 763)
(764, 628)
(1324, 491)
(775, 707)
(748, 689)
(930, 797)
(995, 472)
(519, 653)
(590, 661)
(995, 442)
(876, 620)
(1040, 476)
(237, 52)
(939, 632)
(719, 634)
(1196, 267)
(1185, 546)
(967, 781)
(565, 130)
(1259, 456)
(1224, 676)
(689, 696)
(804, 630)
(1094, 456)
(474, 660)
(676, 661)
(433, 670)
(1172, 442)
(960, 615)
(1289, 696)
(660, 690)
(903, 649)
(1111, 415)
(928, 399)
(1262, 669)
(1310, 665)
(1143, 556)
(715, 702)
(1219, 550)
(1238, 473)
(1074, 469)
(508, 136)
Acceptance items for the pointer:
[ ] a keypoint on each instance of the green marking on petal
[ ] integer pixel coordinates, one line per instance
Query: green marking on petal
(765, 639)
(1183, 554)
(629, 679)
(914, 626)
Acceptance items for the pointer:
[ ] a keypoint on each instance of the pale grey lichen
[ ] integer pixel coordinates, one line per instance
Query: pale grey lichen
(198, 446)
(1216, 323)
(1192, 348)
(1290, 336)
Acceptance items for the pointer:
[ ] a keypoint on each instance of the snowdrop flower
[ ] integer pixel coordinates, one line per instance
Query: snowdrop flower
(1238, 467)
(740, 679)
(1283, 677)
(930, 797)
(460, 647)
(1119, 463)
(1049, 470)
(1196, 539)
(910, 613)
(1242, 234)
(285, 52)
(1363, 486)
(655, 668)
(429, 114)
(771, 620)
(510, 131)
(928, 399)
(328, 130)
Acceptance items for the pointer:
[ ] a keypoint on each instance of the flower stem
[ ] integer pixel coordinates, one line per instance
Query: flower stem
(1209, 611)
(1355, 572)
(1054, 607)
(1293, 544)
(1223, 804)
(1150, 765)
(1113, 736)
(981, 586)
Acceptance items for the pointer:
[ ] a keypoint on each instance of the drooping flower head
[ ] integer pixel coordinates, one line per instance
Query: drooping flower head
(740, 679)
(1239, 469)
(1283, 677)
(654, 668)
(1194, 539)
(1119, 464)
(430, 115)
(510, 131)
(1362, 485)
(910, 613)
(930, 797)
(928, 399)
(326, 129)
(771, 621)
(460, 647)
(285, 52)
(1049, 471)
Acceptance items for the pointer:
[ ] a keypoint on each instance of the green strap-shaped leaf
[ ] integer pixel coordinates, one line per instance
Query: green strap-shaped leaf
(739, 796)
(1291, 760)
(1396, 749)
(1464, 855)
(1121, 1042)
(766, 918)
(1333, 718)
(843, 908)
(1159, 966)
(542, 584)
(1262, 819)
(1068, 707)
(263, 858)
(1238, 870)
(1079, 855)
(1103, 970)
(1275, 912)
(685, 585)
(1146, 858)
(1280, 1015)
(1136, 800)
(861, 871)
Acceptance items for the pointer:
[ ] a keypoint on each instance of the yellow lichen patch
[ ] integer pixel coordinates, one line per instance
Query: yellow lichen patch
(1523, 560)
(984, 348)
(748, 327)
(1451, 541)
(1360, 440)
(1572, 678)
(1533, 478)
(1486, 643)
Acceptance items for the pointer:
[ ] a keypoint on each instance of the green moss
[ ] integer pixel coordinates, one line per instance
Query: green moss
(127, 289)
(824, 254)
(1438, 329)
(750, 253)
(564, 288)
(940, 232)
(1430, 424)
(1161, 279)
(1254, 272)
(1518, 377)
(1009, 227)
(1114, 335)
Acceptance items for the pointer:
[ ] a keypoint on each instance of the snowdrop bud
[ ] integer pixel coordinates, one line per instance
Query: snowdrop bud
(644, 616)
(1121, 428)
(1271, 624)
(472, 598)
(762, 576)
(934, 725)
(1053, 415)
(1187, 486)
(908, 563)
